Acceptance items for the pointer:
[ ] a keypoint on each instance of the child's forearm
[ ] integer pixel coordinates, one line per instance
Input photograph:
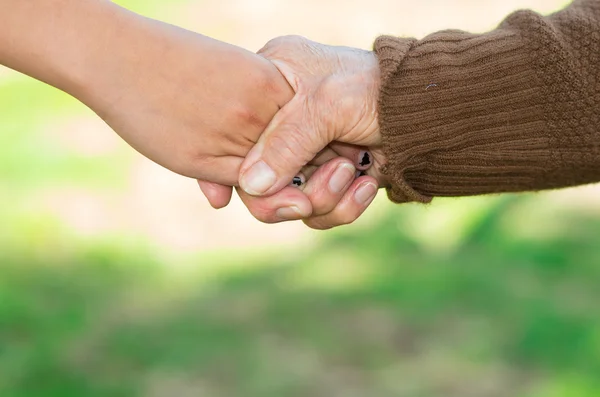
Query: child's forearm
(186, 101)
(60, 42)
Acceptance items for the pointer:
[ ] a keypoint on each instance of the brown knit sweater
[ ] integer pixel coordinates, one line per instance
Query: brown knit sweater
(515, 109)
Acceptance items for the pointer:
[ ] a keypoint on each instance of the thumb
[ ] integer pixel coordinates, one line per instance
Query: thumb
(292, 140)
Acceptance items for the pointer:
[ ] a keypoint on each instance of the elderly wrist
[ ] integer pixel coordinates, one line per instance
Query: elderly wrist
(374, 81)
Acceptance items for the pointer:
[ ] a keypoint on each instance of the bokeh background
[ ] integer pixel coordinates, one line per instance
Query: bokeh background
(117, 279)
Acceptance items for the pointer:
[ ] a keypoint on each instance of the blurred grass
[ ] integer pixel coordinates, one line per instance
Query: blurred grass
(473, 297)
(369, 313)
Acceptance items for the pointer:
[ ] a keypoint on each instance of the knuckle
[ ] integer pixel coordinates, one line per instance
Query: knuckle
(274, 87)
(259, 207)
(285, 40)
(350, 216)
(282, 47)
(344, 217)
(322, 203)
(248, 116)
(262, 214)
(294, 40)
(271, 46)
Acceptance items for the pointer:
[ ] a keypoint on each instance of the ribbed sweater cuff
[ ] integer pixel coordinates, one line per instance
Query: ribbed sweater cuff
(460, 114)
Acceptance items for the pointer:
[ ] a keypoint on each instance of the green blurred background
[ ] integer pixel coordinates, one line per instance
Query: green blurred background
(117, 279)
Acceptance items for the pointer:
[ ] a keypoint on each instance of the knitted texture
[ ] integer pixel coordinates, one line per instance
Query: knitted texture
(515, 109)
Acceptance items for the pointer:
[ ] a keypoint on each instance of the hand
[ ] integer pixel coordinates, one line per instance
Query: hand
(321, 75)
(333, 195)
(190, 103)
(337, 89)
(266, 209)
(306, 201)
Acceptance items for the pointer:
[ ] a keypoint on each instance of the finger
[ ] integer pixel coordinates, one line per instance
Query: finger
(359, 155)
(362, 158)
(218, 196)
(289, 204)
(327, 185)
(324, 156)
(303, 176)
(291, 141)
(309, 170)
(356, 200)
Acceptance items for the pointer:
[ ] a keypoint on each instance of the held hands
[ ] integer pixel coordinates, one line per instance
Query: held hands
(198, 106)
(336, 88)
(335, 104)
(154, 104)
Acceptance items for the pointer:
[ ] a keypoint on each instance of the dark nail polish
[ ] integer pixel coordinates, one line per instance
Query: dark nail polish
(297, 181)
(366, 159)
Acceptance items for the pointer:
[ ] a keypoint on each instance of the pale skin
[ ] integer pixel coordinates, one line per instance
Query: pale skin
(190, 103)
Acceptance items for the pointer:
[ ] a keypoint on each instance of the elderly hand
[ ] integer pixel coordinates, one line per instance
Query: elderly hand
(325, 197)
(333, 195)
(337, 90)
(329, 81)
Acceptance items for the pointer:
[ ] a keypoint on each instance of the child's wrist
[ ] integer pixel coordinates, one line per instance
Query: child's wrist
(93, 67)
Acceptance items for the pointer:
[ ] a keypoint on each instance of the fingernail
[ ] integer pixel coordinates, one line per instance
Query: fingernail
(365, 194)
(364, 158)
(258, 179)
(341, 177)
(298, 180)
(291, 213)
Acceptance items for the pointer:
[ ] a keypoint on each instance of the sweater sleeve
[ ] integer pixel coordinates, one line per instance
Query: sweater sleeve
(515, 109)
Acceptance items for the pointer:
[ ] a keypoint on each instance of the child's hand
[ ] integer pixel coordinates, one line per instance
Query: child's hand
(192, 104)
